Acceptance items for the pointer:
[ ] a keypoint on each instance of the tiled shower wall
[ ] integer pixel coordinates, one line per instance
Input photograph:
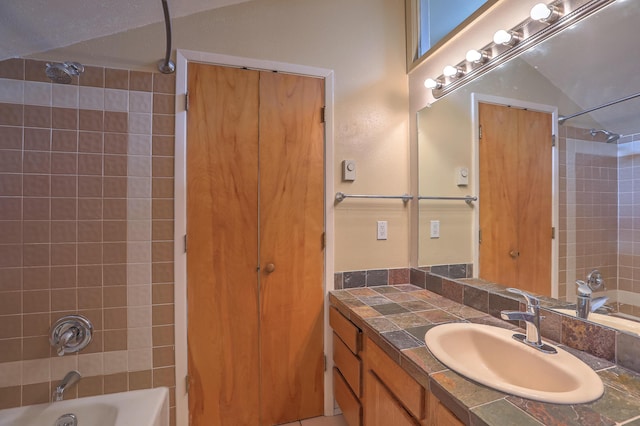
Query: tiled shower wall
(597, 208)
(86, 226)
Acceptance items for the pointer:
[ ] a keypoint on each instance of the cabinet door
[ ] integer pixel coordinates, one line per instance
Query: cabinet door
(381, 408)
(438, 414)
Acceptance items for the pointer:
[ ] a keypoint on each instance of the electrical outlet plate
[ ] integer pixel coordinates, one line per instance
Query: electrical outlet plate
(382, 230)
(435, 229)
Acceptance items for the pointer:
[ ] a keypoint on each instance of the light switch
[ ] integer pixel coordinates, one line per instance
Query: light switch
(348, 170)
(435, 229)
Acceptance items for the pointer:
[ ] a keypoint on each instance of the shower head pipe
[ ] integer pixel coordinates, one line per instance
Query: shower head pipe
(166, 65)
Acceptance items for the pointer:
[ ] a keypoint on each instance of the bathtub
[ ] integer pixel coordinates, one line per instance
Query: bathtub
(148, 407)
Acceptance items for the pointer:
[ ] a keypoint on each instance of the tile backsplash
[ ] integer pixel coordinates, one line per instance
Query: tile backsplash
(86, 226)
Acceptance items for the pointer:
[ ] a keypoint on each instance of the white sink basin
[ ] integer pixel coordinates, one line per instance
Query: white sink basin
(489, 355)
(149, 407)
(607, 320)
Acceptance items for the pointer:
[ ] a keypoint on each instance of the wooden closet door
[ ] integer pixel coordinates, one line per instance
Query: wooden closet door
(222, 229)
(291, 231)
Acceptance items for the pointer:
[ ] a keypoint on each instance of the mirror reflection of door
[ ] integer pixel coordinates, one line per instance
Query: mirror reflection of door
(515, 197)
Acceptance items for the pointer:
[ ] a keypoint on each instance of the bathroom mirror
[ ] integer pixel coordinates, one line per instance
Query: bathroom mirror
(596, 219)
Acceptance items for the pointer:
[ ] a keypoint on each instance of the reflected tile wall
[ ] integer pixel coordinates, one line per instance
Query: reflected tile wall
(86, 217)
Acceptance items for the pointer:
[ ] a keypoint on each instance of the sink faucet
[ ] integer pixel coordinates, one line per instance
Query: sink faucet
(532, 319)
(70, 379)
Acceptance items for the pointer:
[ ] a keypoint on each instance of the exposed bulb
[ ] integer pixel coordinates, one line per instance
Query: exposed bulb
(477, 56)
(505, 37)
(540, 12)
(432, 84)
(451, 71)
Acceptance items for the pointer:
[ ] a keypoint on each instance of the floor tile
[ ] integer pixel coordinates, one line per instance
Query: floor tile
(325, 421)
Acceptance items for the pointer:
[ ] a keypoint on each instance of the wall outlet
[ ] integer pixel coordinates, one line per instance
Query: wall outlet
(435, 229)
(382, 229)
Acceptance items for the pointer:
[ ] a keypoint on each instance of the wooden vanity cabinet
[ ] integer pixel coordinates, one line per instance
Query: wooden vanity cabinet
(347, 371)
(393, 397)
(371, 389)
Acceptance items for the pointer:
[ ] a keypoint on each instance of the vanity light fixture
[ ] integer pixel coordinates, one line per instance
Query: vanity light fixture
(545, 13)
(432, 84)
(545, 21)
(452, 72)
(507, 38)
(477, 56)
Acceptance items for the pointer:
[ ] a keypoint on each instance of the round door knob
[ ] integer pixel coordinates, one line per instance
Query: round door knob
(270, 268)
(514, 254)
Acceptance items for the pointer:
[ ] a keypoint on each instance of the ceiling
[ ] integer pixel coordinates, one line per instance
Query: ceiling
(32, 26)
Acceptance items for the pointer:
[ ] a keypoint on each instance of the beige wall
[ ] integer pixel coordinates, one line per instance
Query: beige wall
(364, 43)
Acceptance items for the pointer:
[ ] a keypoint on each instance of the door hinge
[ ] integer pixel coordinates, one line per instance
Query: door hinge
(185, 243)
(553, 232)
(480, 132)
(186, 101)
(553, 140)
(480, 236)
(187, 384)
(324, 240)
(325, 362)
(323, 111)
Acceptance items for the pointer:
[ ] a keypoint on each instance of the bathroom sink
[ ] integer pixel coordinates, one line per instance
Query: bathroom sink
(607, 320)
(490, 356)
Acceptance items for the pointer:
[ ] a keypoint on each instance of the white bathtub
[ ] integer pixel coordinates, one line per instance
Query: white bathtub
(148, 407)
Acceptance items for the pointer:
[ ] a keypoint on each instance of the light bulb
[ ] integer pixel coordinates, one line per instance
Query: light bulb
(508, 38)
(432, 84)
(451, 71)
(477, 56)
(540, 12)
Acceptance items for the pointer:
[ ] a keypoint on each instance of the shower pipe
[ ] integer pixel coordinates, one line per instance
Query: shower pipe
(166, 65)
(564, 118)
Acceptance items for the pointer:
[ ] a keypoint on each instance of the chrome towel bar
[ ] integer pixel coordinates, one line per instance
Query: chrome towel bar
(405, 197)
(467, 199)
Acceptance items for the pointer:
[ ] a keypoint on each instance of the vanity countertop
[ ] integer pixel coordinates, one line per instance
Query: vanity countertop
(397, 318)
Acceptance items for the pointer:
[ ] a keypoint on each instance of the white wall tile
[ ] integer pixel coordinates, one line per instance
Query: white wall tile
(91, 98)
(140, 359)
(139, 209)
(10, 374)
(61, 365)
(139, 187)
(138, 165)
(138, 295)
(91, 364)
(65, 96)
(139, 273)
(139, 145)
(138, 252)
(115, 362)
(37, 93)
(141, 102)
(116, 100)
(139, 338)
(140, 123)
(36, 371)
(139, 230)
(138, 316)
(11, 91)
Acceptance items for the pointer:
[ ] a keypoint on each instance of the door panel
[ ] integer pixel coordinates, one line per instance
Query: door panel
(222, 225)
(516, 197)
(291, 227)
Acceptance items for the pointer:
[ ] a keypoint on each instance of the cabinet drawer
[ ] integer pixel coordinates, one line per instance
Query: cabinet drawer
(349, 365)
(409, 392)
(349, 404)
(349, 333)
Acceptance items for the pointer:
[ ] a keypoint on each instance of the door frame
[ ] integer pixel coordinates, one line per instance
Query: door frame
(476, 99)
(183, 57)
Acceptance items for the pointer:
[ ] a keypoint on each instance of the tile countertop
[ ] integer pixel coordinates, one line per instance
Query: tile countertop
(397, 317)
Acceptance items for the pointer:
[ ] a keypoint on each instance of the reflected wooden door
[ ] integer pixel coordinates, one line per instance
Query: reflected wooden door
(515, 197)
(255, 191)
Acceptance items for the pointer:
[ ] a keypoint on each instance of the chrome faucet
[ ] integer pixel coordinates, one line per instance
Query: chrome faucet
(585, 303)
(532, 319)
(71, 378)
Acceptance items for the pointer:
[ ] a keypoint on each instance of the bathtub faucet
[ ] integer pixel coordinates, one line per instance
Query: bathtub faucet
(70, 379)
